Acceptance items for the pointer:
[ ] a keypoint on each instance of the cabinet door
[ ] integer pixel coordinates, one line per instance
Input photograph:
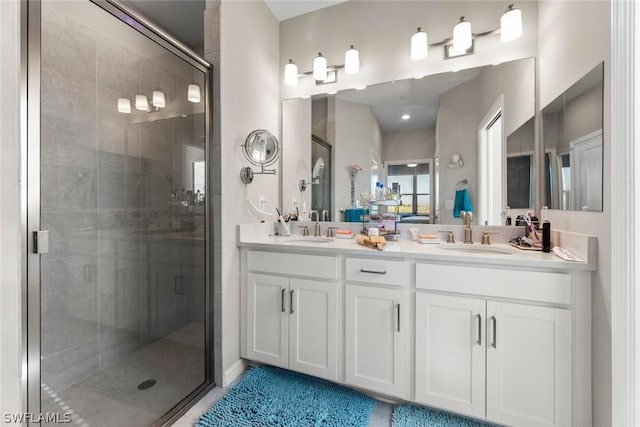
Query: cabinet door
(377, 332)
(268, 319)
(450, 353)
(528, 365)
(313, 328)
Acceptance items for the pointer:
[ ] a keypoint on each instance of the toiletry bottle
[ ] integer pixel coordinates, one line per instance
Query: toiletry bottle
(546, 236)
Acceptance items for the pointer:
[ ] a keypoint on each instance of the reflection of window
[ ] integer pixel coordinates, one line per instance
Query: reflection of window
(198, 177)
(415, 183)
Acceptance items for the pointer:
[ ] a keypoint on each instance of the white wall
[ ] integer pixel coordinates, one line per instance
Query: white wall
(296, 152)
(356, 133)
(250, 99)
(516, 80)
(10, 314)
(581, 39)
(411, 144)
(381, 30)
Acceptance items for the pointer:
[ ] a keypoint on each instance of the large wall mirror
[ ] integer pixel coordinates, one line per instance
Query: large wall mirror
(572, 133)
(449, 141)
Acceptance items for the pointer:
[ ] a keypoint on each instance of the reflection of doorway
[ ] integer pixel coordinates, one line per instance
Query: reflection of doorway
(321, 192)
(586, 172)
(492, 166)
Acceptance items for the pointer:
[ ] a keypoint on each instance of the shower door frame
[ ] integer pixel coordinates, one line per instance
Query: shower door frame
(30, 66)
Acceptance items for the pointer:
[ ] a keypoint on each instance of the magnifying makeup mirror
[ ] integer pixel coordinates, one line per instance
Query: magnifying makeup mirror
(316, 174)
(261, 148)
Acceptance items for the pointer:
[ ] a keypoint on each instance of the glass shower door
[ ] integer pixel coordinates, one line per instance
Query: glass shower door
(123, 193)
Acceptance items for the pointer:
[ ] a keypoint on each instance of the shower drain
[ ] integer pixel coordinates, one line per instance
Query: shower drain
(147, 384)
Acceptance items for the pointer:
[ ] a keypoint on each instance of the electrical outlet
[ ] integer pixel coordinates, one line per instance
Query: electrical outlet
(448, 204)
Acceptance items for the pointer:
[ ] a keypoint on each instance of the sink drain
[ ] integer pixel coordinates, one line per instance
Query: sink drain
(145, 385)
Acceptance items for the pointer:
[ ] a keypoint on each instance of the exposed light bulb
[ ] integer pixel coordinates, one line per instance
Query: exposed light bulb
(124, 105)
(511, 24)
(405, 117)
(333, 92)
(158, 99)
(462, 35)
(360, 87)
(142, 103)
(320, 68)
(412, 165)
(352, 61)
(193, 93)
(291, 73)
(419, 45)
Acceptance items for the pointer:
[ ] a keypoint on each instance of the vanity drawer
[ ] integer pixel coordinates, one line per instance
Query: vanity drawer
(382, 272)
(528, 285)
(317, 266)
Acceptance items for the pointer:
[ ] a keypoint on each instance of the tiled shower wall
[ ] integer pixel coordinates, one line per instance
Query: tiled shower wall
(106, 177)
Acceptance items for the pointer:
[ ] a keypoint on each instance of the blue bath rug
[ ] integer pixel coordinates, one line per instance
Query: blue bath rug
(273, 397)
(417, 416)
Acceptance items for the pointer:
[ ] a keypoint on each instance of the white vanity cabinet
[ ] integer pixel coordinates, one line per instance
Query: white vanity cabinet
(508, 362)
(502, 338)
(377, 325)
(292, 322)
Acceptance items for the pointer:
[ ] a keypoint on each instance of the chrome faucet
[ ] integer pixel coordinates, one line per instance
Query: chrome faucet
(466, 219)
(325, 215)
(316, 230)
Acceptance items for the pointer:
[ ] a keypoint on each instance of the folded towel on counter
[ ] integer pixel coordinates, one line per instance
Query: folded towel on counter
(461, 203)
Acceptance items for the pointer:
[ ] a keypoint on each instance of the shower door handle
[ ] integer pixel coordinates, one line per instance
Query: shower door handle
(41, 242)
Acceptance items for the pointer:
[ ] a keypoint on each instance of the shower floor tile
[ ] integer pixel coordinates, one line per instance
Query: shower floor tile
(110, 397)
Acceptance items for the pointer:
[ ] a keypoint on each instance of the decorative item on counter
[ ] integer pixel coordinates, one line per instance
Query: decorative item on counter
(544, 214)
(414, 233)
(379, 191)
(428, 239)
(525, 243)
(455, 162)
(376, 242)
(507, 215)
(564, 254)
(546, 236)
(344, 234)
(373, 232)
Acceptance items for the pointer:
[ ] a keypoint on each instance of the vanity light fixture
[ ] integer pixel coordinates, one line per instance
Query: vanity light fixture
(320, 67)
(158, 99)
(510, 24)
(323, 73)
(412, 165)
(463, 39)
(352, 61)
(142, 103)
(360, 87)
(291, 73)
(462, 35)
(305, 96)
(193, 93)
(333, 92)
(419, 45)
(124, 106)
(405, 117)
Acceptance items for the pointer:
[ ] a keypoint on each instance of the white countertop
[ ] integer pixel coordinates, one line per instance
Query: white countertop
(403, 248)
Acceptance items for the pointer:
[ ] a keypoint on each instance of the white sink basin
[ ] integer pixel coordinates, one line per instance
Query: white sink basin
(307, 240)
(478, 249)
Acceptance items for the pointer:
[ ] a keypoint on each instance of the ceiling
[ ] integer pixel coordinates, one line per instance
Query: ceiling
(182, 19)
(285, 9)
(417, 97)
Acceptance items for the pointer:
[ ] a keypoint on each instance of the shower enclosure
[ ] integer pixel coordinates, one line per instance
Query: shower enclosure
(118, 302)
